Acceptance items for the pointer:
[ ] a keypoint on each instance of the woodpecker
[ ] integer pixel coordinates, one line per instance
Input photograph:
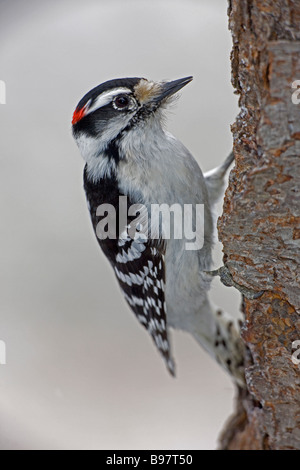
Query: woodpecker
(119, 129)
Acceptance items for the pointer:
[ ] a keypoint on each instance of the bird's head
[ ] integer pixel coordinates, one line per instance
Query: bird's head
(115, 107)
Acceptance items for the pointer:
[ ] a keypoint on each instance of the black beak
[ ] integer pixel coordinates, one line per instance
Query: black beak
(169, 88)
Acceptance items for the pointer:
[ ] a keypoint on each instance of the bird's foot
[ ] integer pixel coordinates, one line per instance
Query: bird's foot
(226, 279)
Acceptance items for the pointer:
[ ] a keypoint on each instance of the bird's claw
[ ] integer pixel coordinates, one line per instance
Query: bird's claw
(226, 279)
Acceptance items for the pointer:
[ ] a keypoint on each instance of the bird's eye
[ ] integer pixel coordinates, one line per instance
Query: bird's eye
(121, 101)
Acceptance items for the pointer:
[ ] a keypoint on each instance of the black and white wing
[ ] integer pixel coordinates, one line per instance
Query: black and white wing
(140, 270)
(139, 267)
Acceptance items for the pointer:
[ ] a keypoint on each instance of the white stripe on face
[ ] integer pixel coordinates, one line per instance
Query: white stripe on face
(105, 98)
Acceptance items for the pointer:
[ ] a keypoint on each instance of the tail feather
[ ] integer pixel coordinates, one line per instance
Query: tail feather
(219, 334)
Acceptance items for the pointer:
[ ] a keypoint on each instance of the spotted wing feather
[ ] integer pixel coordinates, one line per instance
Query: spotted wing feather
(139, 268)
(138, 265)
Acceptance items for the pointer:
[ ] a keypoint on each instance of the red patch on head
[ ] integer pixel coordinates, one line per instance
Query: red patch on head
(78, 114)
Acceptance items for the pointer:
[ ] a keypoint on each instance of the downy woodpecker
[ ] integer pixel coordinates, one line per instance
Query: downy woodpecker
(118, 127)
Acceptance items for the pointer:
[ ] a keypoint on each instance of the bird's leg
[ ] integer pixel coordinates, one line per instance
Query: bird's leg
(226, 279)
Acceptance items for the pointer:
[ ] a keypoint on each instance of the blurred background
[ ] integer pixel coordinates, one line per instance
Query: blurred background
(81, 372)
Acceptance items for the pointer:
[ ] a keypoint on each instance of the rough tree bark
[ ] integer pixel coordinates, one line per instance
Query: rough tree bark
(260, 225)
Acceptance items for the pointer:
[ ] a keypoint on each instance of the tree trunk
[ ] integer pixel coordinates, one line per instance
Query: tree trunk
(260, 225)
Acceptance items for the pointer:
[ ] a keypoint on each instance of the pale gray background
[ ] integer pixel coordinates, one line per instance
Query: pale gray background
(81, 372)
